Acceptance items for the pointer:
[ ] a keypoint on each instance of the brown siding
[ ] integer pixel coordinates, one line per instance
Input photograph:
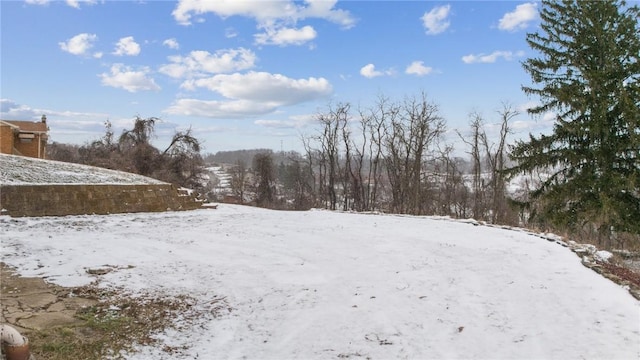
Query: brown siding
(6, 139)
(26, 138)
(31, 147)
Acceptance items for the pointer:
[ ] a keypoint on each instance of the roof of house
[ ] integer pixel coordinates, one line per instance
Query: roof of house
(27, 126)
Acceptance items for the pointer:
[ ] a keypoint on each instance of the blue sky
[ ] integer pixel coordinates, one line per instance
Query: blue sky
(248, 74)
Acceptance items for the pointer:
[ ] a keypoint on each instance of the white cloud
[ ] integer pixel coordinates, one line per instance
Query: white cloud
(542, 124)
(38, 2)
(266, 94)
(276, 20)
(64, 125)
(127, 46)
(59, 120)
(201, 63)
(76, 3)
(224, 9)
(219, 109)
(491, 58)
(294, 122)
(324, 9)
(230, 33)
(286, 36)
(524, 107)
(435, 21)
(266, 13)
(549, 116)
(10, 110)
(171, 43)
(125, 77)
(79, 44)
(418, 68)
(519, 18)
(264, 87)
(369, 71)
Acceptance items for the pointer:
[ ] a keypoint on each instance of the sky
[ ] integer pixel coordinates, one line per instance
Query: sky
(255, 74)
(330, 285)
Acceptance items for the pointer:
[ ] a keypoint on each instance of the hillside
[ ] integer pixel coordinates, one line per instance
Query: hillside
(321, 284)
(20, 170)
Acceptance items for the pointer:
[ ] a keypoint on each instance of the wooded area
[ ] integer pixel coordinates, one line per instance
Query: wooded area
(582, 179)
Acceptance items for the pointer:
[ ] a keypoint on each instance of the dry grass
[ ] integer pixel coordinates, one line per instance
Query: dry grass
(118, 324)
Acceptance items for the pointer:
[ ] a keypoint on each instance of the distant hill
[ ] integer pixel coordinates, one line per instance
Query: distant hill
(246, 156)
(20, 170)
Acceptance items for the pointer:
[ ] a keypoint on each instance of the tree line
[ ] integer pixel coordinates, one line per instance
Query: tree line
(392, 158)
(582, 179)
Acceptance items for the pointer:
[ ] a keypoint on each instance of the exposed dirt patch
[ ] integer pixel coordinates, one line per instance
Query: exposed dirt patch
(619, 274)
(91, 322)
(625, 274)
(622, 272)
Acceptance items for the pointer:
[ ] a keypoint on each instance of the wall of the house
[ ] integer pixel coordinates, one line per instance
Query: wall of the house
(59, 200)
(6, 139)
(31, 147)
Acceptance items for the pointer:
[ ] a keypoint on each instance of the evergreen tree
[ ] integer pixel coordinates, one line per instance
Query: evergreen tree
(587, 72)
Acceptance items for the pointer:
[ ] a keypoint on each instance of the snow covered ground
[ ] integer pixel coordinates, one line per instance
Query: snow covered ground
(322, 285)
(21, 170)
(222, 175)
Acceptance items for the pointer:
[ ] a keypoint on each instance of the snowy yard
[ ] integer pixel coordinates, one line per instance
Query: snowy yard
(322, 285)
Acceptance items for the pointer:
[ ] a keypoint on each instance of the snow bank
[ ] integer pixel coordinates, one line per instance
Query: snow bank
(602, 255)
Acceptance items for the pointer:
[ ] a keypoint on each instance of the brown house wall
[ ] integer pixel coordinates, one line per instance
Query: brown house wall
(59, 200)
(6, 139)
(34, 148)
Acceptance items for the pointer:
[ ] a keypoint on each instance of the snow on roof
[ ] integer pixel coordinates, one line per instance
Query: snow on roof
(20, 170)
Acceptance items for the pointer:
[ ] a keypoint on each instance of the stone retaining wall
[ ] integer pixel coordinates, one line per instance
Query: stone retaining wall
(58, 200)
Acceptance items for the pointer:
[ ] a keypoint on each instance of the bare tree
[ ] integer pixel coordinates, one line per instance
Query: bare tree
(239, 180)
(264, 172)
(452, 196)
(63, 152)
(477, 138)
(373, 126)
(350, 191)
(180, 163)
(330, 170)
(103, 152)
(310, 156)
(488, 181)
(135, 146)
(296, 184)
(409, 139)
(496, 155)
